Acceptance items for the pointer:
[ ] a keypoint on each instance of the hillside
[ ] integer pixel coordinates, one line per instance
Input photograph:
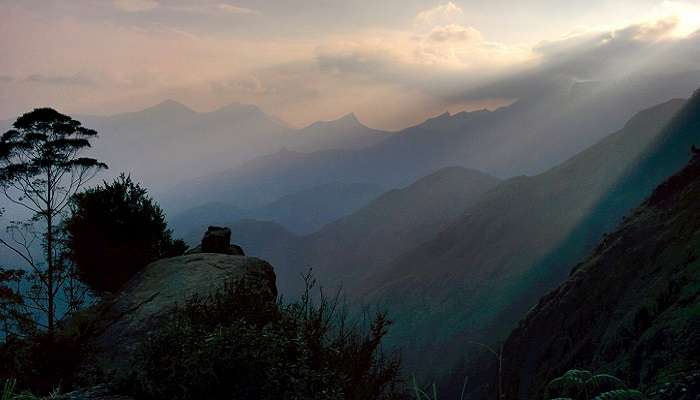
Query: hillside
(301, 212)
(478, 276)
(348, 249)
(632, 308)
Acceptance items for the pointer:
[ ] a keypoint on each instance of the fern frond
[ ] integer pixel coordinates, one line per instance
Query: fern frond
(580, 375)
(571, 384)
(604, 383)
(8, 389)
(620, 394)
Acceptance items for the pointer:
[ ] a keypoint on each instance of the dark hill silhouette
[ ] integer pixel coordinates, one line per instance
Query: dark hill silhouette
(630, 308)
(527, 137)
(491, 265)
(366, 239)
(473, 279)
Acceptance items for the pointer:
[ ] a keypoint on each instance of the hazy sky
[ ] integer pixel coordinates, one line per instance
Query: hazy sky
(392, 62)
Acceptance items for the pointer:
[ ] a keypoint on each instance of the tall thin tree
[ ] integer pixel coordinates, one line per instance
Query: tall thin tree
(40, 169)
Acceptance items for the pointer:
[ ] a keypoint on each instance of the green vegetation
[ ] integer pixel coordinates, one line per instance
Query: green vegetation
(43, 363)
(232, 345)
(115, 230)
(579, 384)
(9, 393)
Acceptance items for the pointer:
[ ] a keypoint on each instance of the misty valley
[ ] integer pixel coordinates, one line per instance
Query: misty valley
(349, 200)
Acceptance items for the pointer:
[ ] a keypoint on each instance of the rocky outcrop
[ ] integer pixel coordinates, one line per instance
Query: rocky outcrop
(632, 308)
(122, 323)
(218, 240)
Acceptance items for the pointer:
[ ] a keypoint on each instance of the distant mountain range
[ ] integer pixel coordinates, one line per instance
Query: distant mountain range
(526, 137)
(242, 157)
(169, 142)
(472, 272)
(485, 270)
(302, 212)
(354, 245)
(629, 309)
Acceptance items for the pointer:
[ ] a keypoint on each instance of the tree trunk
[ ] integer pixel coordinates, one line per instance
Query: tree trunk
(50, 272)
(50, 306)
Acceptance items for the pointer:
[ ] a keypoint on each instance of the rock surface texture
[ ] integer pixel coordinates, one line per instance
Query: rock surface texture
(124, 322)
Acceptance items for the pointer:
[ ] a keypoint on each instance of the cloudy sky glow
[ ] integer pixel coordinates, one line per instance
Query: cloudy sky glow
(392, 62)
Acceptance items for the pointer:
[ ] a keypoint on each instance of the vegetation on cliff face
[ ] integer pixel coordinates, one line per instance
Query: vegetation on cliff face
(577, 384)
(232, 345)
(632, 308)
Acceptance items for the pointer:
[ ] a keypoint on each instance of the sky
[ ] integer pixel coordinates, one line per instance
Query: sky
(392, 62)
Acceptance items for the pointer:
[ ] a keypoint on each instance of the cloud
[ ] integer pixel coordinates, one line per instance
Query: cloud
(230, 8)
(647, 32)
(134, 6)
(190, 50)
(687, 15)
(77, 79)
(454, 33)
(643, 52)
(442, 13)
(209, 9)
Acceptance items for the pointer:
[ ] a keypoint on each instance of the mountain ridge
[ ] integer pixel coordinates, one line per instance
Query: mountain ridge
(629, 308)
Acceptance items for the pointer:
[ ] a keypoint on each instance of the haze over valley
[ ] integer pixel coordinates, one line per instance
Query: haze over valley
(361, 200)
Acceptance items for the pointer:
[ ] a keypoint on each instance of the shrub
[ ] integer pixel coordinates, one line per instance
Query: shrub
(231, 346)
(41, 364)
(114, 231)
(579, 384)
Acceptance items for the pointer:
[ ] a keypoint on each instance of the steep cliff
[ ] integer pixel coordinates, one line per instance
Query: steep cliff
(632, 308)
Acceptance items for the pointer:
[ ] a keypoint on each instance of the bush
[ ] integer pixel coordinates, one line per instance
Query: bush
(114, 231)
(41, 363)
(577, 384)
(231, 346)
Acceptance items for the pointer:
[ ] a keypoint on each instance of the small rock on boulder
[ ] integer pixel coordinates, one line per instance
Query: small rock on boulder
(217, 240)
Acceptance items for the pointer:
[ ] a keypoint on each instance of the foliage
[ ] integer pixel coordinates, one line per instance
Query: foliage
(230, 345)
(40, 169)
(9, 393)
(41, 363)
(421, 394)
(115, 230)
(577, 384)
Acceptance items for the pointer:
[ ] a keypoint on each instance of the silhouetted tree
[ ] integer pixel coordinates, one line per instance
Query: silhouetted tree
(40, 170)
(114, 231)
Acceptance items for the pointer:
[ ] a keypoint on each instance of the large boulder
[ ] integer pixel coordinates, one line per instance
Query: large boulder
(121, 324)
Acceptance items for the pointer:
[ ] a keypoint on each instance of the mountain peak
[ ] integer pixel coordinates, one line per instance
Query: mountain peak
(350, 118)
(437, 119)
(238, 107)
(346, 121)
(170, 106)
